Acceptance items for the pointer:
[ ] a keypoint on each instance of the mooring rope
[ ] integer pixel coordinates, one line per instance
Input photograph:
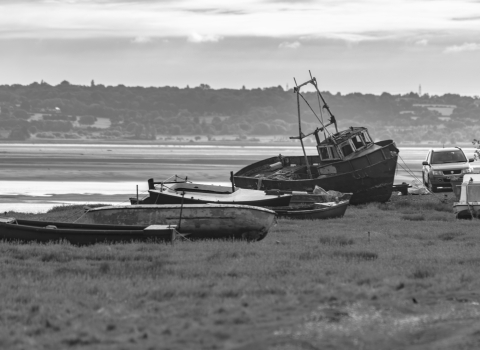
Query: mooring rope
(411, 173)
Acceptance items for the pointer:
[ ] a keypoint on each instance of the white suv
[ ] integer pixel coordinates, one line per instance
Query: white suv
(443, 165)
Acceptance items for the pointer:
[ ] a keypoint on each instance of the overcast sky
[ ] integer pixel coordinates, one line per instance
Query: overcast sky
(368, 46)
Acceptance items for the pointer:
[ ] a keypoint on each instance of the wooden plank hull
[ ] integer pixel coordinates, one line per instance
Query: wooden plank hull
(208, 221)
(80, 234)
(369, 177)
(329, 212)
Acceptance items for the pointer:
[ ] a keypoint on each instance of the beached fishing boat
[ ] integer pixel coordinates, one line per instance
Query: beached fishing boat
(347, 161)
(82, 234)
(196, 193)
(315, 211)
(468, 206)
(200, 221)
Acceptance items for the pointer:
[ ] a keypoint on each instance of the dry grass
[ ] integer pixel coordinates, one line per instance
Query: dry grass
(370, 280)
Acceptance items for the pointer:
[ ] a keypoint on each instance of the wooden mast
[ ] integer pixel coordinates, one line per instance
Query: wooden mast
(300, 133)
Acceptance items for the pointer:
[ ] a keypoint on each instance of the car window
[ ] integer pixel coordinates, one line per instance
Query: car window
(448, 157)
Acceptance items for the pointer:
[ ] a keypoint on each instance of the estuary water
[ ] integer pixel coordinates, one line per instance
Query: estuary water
(37, 177)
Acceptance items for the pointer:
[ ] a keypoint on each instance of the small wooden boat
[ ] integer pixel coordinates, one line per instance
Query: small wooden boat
(314, 211)
(195, 193)
(200, 221)
(81, 234)
(468, 206)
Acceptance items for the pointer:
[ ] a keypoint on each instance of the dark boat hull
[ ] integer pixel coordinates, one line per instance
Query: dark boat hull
(80, 234)
(369, 177)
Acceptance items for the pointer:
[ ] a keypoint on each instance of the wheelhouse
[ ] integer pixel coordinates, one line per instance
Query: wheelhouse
(344, 144)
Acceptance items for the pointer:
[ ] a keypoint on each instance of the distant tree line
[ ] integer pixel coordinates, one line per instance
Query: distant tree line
(145, 112)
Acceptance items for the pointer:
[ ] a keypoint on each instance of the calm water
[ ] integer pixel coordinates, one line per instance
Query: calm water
(40, 196)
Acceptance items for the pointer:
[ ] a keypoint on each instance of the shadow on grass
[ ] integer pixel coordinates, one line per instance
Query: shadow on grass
(356, 255)
(336, 240)
(413, 217)
(422, 272)
(448, 236)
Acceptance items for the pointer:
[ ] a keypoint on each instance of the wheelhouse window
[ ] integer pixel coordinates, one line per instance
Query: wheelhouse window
(327, 152)
(347, 148)
(323, 152)
(366, 138)
(358, 142)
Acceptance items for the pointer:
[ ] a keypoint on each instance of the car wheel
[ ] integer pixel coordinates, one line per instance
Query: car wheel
(425, 182)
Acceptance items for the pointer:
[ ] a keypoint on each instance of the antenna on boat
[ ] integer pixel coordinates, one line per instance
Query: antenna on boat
(301, 136)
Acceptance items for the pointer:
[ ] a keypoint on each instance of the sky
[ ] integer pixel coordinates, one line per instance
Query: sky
(367, 46)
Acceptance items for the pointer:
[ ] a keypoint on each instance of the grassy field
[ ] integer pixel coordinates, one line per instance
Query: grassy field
(401, 275)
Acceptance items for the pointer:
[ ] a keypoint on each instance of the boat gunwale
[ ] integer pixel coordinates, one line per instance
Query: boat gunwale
(185, 206)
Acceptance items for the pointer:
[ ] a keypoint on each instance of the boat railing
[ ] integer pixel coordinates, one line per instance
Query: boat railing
(152, 183)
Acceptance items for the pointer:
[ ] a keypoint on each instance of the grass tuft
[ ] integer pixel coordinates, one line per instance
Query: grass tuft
(310, 255)
(104, 267)
(356, 255)
(448, 236)
(336, 240)
(413, 217)
(55, 257)
(422, 272)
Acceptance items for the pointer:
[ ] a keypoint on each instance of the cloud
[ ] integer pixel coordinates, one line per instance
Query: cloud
(195, 37)
(462, 48)
(288, 45)
(141, 40)
(423, 42)
(352, 21)
(215, 11)
(474, 18)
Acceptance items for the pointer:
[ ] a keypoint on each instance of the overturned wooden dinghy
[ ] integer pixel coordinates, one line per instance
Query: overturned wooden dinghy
(81, 234)
(200, 221)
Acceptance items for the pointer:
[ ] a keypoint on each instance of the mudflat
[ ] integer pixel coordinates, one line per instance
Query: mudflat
(103, 162)
(135, 162)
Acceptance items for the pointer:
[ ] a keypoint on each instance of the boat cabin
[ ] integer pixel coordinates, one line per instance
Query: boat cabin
(344, 144)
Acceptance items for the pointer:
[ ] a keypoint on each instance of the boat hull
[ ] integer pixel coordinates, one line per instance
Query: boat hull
(464, 211)
(209, 221)
(369, 177)
(335, 211)
(81, 234)
(157, 197)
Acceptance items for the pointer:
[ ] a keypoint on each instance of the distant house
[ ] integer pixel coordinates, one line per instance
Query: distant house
(50, 110)
(444, 110)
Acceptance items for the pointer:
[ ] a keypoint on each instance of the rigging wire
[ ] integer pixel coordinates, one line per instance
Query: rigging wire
(323, 126)
(411, 173)
(314, 82)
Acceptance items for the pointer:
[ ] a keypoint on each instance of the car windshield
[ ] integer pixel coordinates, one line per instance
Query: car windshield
(448, 157)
